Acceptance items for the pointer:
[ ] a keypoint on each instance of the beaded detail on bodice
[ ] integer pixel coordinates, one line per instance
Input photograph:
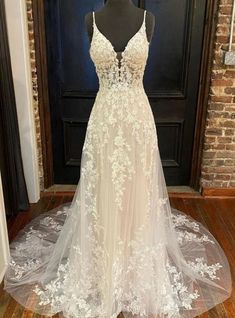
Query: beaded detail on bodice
(126, 71)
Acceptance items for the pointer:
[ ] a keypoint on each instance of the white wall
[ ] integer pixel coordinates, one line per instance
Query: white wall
(16, 16)
(4, 243)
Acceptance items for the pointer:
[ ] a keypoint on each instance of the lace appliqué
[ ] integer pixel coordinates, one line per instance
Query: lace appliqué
(122, 167)
(180, 296)
(34, 243)
(203, 268)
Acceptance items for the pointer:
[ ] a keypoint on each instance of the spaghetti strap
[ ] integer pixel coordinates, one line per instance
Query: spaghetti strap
(144, 23)
(93, 13)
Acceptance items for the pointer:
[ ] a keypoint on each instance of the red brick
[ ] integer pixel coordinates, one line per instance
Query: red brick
(222, 82)
(225, 9)
(223, 176)
(230, 147)
(222, 99)
(214, 131)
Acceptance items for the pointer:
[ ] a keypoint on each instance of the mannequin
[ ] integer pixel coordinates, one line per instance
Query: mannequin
(119, 20)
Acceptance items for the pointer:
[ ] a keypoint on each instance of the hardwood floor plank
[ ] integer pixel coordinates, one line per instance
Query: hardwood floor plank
(10, 309)
(67, 198)
(4, 301)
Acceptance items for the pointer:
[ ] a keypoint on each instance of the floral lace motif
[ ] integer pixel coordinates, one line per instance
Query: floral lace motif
(183, 224)
(19, 271)
(202, 268)
(122, 166)
(180, 296)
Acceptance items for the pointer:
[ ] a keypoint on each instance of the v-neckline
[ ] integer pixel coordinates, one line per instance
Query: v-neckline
(112, 46)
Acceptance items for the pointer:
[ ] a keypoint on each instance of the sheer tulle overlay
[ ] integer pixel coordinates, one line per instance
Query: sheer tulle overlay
(119, 245)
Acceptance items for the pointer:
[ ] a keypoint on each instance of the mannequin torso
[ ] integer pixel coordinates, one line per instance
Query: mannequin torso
(119, 20)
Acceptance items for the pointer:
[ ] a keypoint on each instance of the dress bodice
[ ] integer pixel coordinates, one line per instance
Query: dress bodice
(118, 73)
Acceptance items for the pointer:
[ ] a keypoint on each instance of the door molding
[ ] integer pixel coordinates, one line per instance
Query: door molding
(43, 94)
(203, 92)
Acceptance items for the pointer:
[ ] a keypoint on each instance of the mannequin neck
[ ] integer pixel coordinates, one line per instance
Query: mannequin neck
(117, 3)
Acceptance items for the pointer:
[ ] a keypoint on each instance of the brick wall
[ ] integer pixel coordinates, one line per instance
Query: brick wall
(218, 165)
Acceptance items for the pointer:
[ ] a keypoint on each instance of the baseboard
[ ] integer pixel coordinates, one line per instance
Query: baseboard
(2, 273)
(218, 192)
(172, 191)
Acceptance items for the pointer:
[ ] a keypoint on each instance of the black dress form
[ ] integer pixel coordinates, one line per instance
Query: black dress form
(119, 20)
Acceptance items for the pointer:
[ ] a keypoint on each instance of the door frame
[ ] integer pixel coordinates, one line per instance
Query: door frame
(202, 102)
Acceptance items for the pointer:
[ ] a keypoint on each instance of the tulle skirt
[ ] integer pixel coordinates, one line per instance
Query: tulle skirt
(119, 246)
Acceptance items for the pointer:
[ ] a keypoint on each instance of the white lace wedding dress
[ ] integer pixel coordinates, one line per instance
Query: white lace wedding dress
(119, 245)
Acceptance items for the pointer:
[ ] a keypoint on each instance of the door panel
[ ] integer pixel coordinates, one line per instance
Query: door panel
(170, 81)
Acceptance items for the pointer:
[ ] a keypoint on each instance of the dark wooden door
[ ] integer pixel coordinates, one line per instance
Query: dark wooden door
(171, 81)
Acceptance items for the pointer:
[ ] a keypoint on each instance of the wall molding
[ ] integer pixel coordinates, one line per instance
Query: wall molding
(203, 92)
(218, 192)
(17, 27)
(4, 242)
(43, 94)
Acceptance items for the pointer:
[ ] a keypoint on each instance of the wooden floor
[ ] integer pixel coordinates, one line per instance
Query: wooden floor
(217, 214)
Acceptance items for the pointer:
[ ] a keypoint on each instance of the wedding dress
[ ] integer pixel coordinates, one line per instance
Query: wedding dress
(119, 245)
